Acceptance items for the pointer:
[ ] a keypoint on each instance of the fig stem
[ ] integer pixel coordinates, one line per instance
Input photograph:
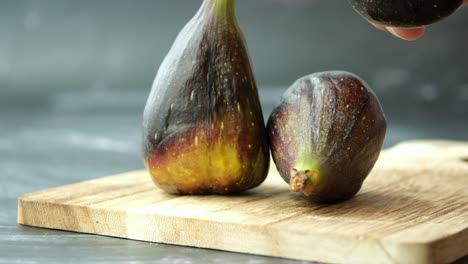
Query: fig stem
(223, 7)
(298, 182)
(303, 181)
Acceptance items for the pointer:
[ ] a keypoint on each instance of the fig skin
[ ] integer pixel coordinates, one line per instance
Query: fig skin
(326, 135)
(405, 13)
(203, 127)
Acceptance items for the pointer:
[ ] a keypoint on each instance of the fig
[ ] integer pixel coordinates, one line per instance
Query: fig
(326, 135)
(405, 13)
(203, 127)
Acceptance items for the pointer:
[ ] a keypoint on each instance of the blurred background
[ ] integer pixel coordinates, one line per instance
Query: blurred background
(74, 77)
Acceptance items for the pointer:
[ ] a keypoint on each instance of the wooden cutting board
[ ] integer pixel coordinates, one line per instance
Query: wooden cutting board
(413, 208)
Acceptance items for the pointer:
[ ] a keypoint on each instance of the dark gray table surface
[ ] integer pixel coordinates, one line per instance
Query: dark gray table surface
(83, 136)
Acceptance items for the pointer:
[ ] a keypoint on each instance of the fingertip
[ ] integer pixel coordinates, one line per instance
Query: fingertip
(409, 34)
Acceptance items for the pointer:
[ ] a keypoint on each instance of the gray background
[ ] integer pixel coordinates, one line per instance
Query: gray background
(74, 76)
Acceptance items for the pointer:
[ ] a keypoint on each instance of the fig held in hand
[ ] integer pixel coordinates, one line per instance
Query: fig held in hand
(405, 13)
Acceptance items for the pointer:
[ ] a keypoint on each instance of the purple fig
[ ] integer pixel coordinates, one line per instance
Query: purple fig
(203, 127)
(326, 135)
(405, 13)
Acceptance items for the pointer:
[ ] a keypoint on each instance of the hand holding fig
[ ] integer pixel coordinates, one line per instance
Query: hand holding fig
(405, 18)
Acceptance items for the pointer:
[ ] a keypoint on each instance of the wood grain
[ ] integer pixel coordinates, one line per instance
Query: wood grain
(413, 209)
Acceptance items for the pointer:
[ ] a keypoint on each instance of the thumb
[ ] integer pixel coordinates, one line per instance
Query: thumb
(409, 34)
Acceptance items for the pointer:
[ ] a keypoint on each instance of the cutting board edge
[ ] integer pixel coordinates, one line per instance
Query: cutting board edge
(417, 252)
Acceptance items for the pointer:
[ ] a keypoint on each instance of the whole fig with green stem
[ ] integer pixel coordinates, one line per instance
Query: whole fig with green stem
(203, 128)
(326, 135)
